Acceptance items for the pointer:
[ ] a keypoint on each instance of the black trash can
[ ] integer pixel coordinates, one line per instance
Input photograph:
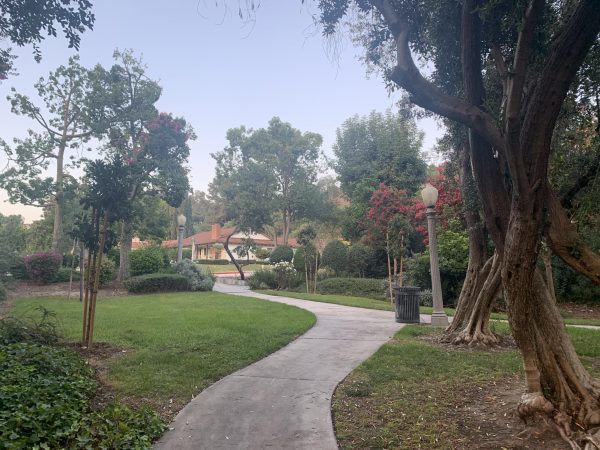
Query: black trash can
(406, 300)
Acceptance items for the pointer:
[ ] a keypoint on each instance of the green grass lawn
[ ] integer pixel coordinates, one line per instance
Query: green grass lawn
(177, 344)
(363, 302)
(220, 268)
(411, 393)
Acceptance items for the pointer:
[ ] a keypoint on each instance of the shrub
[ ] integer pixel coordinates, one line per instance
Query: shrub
(262, 253)
(359, 256)
(156, 282)
(64, 274)
(30, 329)
(426, 297)
(325, 272)
(43, 266)
(114, 254)
(44, 392)
(69, 260)
(45, 403)
(108, 270)
(285, 274)
(299, 260)
(216, 262)
(359, 287)
(335, 256)
(146, 260)
(198, 278)
(17, 267)
(171, 253)
(3, 294)
(281, 253)
(262, 279)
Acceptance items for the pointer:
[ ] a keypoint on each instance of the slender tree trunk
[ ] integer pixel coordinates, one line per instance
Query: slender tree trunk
(235, 263)
(124, 249)
(58, 199)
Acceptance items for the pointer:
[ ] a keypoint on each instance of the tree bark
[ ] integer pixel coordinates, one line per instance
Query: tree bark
(58, 199)
(124, 250)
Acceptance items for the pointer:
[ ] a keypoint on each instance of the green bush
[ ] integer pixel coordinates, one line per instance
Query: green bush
(359, 256)
(108, 271)
(357, 287)
(571, 286)
(216, 262)
(69, 260)
(64, 274)
(285, 275)
(31, 329)
(198, 278)
(262, 279)
(114, 254)
(17, 268)
(299, 260)
(146, 260)
(43, 266)
(335, 256)
(171, 253)
(45, 403)
(156, 282)
(3, 293)
(262, 253)
(281, 253)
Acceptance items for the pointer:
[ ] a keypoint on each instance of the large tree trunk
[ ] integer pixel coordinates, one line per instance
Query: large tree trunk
(233, 260)
(470, 324)
(124, 250)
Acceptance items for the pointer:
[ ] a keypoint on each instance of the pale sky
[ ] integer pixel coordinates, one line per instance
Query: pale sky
(220, 72)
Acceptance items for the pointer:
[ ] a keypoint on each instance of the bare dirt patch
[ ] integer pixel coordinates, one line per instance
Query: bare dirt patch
(581, 311)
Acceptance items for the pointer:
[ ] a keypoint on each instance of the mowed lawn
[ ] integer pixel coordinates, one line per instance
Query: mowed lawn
(177, 344)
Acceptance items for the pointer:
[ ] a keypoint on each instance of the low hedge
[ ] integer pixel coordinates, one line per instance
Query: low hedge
(216, 262)
(64, 274)
(357, 287)
(156, 282)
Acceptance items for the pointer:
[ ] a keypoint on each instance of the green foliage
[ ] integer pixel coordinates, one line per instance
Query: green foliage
(262, 279)
(108, 271)
(30, 328)
(43, 266)
(26, 23)
(572, 286)
(64, 274)
(12, 243)
(262, 253)
(3, 293)
(359, 287)
(299, 260)
(43, 394)
(146, 260)
(157, 282)
(335, 256)
(198, 278)
(215, 262)
(171, 253)
(383, 147)
(359, 256)
(285, 275)
(281, 253)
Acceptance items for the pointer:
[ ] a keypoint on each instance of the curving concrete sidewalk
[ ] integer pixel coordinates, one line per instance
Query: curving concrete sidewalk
(283, 401)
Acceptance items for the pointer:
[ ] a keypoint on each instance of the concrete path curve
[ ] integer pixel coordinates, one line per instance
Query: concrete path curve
(283, 401)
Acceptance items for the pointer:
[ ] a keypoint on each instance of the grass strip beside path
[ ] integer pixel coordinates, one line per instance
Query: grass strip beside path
(177, 344)
(413, 393)
(369, 303)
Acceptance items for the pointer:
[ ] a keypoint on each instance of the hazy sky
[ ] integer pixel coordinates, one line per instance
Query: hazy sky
(220, 72)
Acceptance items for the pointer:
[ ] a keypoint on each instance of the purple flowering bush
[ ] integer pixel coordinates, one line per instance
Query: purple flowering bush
(43, 266)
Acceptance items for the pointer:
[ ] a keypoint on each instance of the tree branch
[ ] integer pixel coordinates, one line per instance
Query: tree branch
(426, 94)
(572, 44)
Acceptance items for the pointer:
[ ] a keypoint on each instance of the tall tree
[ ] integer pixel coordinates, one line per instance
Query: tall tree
(289, 155)
(537, 49)
(65, 121)
(155, 145)
(24, 23)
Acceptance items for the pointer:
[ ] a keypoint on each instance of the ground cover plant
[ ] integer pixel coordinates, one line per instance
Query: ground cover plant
(168, 347)
(416, 393)
(46, 393)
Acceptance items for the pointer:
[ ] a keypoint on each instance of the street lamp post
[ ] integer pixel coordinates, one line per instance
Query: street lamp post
(438, 317)
(180, 227)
